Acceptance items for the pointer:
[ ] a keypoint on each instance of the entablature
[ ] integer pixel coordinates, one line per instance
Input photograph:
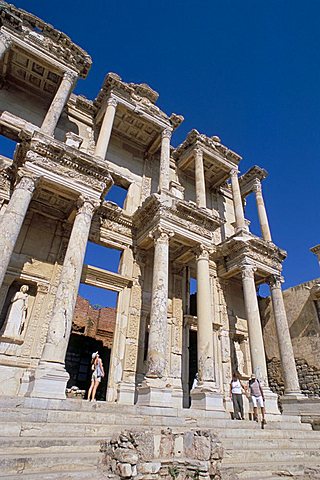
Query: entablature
(245, 248)
(98, 277)
(65, 165)
(191, 225)
(248, 180)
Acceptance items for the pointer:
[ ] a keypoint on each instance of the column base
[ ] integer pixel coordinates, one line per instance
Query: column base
(295, 404)
(126, 393)
(50, 381)
(271, 402)
(204, 397)
(154, 393)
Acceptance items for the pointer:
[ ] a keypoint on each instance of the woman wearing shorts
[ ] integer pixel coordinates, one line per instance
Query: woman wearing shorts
(97, 374)
(257, 397)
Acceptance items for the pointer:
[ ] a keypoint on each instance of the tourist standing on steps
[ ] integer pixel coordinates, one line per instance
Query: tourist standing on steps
(97, 375)
(236, 390)
(257, 397)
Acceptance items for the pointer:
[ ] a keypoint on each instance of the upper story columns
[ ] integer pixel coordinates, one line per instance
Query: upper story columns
(237, 201)
(164, 175)
(106, 129)
(59, 101)
(5, 44)
(200, 179)
(262, 214)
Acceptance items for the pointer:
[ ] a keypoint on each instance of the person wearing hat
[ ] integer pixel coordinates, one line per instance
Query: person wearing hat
(257, 397)
(97, 374)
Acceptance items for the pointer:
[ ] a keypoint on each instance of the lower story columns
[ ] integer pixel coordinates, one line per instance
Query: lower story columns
(206, 394)
(51, 377)
(155, 390)
(257, 353)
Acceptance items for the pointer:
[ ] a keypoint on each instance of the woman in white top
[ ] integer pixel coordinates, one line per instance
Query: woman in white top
(236, 388)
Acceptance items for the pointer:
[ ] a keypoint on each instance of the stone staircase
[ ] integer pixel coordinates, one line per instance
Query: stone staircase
(60, 439)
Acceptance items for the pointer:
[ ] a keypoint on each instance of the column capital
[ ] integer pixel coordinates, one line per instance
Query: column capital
(256, 187)
(27, 181)
(86, 205)
(198, 151)
(247, 270)
(160, 234)
(202, 252)
(5, 40)
(275, 281)
(166, 133)
(112, 102)
(234, 172)
(70, 76)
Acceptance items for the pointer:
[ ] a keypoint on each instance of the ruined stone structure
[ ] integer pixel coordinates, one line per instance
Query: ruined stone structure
(183, 219)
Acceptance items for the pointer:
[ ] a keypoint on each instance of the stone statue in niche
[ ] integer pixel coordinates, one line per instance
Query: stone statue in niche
(240, 358)
(17, 313)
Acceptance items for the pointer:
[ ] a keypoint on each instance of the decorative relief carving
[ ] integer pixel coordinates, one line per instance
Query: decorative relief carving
(5, 40)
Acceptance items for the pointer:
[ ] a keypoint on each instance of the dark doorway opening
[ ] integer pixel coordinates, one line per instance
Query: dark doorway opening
(193, 357)
(78, 363)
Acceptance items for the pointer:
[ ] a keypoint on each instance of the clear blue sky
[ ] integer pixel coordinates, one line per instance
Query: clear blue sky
(247, 71)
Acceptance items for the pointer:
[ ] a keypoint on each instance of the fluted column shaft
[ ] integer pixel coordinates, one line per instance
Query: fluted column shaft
(106, 129)
(237, 201)
(5, 43)
(204, 316)
(12, 219)
(200, 180)
(262, 213)
(257, 353)
(164, 174)
(66, 296)
(290, 375)
(157, 345)
(60, 99)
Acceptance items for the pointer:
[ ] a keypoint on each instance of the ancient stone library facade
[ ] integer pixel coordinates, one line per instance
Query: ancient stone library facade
(182, 220)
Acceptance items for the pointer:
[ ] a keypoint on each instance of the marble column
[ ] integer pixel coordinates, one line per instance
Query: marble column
(290, 376)
(164, 174)
(258, 359)
(51, 377)
(12, 219)
(200, 180)
(204, 316)
(237, 201)
(206, 394)
(60, 99)
(5, 44)
(262, 214)
(106, 129)
(154, 389)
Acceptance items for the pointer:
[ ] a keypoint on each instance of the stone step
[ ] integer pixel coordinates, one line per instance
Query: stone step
(23, 446)
(285, 455)
(272, 471)
(97, 417)
(53, 462)
(268, 443)
(92, 474)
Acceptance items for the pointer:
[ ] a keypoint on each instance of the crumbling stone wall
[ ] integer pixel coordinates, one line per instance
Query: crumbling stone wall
(165, 455)
(309, 377)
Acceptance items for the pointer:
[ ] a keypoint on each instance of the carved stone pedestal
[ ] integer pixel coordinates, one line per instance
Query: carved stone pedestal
(204, 398)
(50, 381)
(126, 393)
(295, 404)
(152, 395)
(271, 402)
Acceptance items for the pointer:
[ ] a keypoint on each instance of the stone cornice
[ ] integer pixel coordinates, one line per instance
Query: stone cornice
(47, 154)
(140, 96)
(44, 36)
(315, 249)
(247, 180)
(180, 216)
(213, 144)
